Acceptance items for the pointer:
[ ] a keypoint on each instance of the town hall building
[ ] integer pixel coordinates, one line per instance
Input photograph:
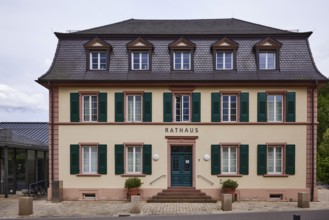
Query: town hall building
(183, 104)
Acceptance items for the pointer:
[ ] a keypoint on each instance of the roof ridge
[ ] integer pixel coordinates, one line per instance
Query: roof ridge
(90, 29)
(261, 25)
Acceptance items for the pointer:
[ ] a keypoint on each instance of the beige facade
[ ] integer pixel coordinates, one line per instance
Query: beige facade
(200, 136)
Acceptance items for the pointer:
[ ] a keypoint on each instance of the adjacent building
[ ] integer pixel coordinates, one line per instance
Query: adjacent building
(23, 155)
(183, 103)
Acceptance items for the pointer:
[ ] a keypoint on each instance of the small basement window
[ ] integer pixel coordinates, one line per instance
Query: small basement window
(276, 197)
(89, 196)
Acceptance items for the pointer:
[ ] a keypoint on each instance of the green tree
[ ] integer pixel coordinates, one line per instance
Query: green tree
(323, 159)
(323, 111)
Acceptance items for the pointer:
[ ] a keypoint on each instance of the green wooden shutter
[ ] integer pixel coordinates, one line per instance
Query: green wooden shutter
(261, 107)
(167, 107)
(74, 159)
(244, 159)
(244, 107)
(290, 159)
(102, 107)
(147, 159)
(261, 159)
(291, 107)
(74, 107)
(215, 159)
(119, 158)
(196, 107)
(147, 107)
(215, 107)
(102, 159)
(119, 107)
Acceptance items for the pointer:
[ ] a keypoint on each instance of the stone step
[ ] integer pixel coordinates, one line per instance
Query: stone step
(182, 200)
(182, 194)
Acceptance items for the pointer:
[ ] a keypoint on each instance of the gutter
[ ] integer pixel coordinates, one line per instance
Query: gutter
(313, 142)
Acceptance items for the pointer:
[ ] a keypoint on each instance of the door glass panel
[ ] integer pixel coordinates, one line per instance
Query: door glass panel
(187, 162)
(176, 163)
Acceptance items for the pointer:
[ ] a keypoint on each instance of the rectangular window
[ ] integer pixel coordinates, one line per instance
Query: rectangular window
(98, 60)
(229, 160)
(134, 108)
(224, 60)
(182, 108)
(182, 60)
(229, 108)
(274, 160)
(275, 108)
(89, 159)
(134, 159)
(140, 60)
(267, 60)
(90, 108)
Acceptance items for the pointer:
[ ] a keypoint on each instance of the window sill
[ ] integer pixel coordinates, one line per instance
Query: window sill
(133, 175)
(229, 175)
(88, 175)
(105, 70)
(275, 175)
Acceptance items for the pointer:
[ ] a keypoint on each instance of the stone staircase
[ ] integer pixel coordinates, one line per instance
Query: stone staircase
(181, 195)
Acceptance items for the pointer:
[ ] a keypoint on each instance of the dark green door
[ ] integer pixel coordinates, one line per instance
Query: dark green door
(181, 166)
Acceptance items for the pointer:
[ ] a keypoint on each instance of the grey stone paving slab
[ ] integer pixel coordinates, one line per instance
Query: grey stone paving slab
(43, 208)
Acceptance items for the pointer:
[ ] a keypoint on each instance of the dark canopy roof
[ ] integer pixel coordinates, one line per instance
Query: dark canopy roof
(37, 131)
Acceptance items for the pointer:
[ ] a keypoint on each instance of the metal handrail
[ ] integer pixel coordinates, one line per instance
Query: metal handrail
(157, 179)
(205, 179)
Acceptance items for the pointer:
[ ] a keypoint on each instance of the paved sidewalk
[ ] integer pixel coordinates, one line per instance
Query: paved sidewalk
(43, 208)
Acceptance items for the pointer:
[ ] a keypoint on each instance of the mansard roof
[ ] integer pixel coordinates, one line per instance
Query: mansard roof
(174, 27)
(296, 61)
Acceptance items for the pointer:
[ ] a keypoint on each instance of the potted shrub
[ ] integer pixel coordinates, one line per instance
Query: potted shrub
(229, 186)
(132, 184)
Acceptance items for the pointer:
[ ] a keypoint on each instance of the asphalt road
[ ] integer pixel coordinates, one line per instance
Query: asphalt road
(291, 215)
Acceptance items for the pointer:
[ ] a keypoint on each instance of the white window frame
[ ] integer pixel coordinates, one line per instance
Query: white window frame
(224, 60)
(134, 108)
(182, 60)
(275, 112)
(274, 160)
(182, 107)
(266, 60)
(140, 63)
(90, 118)
(89, 160)
(229, 165)
(229, 108)
(134, 160)
(98, 60)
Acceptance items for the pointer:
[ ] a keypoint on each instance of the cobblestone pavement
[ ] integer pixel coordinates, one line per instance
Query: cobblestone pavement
(43, 208)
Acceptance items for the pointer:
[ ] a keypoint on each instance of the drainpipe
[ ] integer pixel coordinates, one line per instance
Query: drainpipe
(52, 131)
(313, 142)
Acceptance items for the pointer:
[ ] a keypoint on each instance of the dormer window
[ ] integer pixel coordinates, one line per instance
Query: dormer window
(182, 60)
(98, 51)
(224, 54)
(98, 60)
(182, 52)
(267, 54)
(267, 60)
(140, 60)
(140, 54)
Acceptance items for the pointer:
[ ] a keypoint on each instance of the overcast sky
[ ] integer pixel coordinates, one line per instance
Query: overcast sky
(28, 43)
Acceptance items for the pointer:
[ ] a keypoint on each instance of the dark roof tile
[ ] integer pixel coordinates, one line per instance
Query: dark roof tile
(174, 27)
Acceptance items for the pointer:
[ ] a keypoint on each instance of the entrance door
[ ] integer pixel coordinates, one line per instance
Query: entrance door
(181, 166)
